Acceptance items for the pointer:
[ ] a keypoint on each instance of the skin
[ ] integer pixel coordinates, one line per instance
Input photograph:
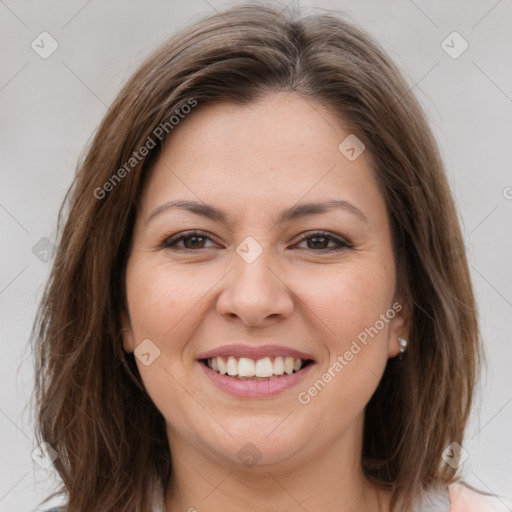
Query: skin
(253, 161)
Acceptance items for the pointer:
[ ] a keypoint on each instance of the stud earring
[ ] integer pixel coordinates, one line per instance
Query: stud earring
(403, 347)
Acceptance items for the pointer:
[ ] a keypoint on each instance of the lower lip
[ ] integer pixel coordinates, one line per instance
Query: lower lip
(254, 388)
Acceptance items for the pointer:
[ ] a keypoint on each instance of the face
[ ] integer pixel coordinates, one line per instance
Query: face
(254, 318)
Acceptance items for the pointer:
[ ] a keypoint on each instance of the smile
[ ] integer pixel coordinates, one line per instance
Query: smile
(245, 368)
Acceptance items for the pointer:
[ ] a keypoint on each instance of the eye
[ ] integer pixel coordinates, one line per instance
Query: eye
(318, 241)
(191, 240)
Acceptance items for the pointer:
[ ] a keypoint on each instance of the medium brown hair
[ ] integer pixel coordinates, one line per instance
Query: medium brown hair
(92, 406)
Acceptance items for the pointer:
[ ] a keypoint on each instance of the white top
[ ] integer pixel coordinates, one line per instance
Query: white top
(454, 498)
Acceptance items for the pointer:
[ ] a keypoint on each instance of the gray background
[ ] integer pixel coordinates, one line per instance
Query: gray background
(50, 108)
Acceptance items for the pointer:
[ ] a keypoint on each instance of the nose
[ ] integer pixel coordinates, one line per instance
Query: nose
(255, 293)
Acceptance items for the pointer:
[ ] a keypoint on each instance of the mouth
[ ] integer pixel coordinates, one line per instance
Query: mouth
(256, 370)
(262, 371)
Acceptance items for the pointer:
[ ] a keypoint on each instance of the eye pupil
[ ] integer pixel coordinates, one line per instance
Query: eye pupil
(194, 240)
(315, 239)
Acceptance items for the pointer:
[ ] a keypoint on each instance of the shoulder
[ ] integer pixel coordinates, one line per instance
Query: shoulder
(465, 499)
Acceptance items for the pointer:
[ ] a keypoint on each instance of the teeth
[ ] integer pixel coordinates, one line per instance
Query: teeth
(263, 368)
(220, 363)
(288, 365)
(232, 366)
(245, 367)
(279, 366)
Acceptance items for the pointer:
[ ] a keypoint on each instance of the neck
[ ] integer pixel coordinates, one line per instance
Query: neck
(330, 480)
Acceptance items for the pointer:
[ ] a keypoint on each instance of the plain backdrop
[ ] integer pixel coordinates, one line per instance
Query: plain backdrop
(51, 106)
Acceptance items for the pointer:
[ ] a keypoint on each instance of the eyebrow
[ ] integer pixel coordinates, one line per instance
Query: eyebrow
(291, 214)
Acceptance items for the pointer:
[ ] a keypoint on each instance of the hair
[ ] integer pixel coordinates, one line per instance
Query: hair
(92, 407)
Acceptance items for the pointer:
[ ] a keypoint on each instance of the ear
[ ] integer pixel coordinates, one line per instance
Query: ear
(128, 338)
(399, 326)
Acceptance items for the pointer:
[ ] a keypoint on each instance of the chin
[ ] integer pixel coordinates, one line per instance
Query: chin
(258, 443)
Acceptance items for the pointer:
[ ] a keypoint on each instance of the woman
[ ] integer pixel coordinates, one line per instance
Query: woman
(261, 299)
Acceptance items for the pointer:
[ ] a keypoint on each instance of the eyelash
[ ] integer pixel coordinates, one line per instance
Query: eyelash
(170, 243)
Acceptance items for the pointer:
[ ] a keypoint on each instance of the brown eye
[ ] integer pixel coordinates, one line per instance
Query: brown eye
(191, 240)
(320, 240)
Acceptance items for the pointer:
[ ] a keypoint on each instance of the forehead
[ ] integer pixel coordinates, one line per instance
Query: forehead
(280, 149)
(283, 125)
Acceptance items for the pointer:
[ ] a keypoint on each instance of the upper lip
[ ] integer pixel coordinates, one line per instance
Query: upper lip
(258, 352)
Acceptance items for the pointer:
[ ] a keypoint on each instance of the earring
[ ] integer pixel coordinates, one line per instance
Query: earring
(403, 347)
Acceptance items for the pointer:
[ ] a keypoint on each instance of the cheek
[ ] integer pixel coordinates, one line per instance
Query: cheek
(354, 309)
(166, 305)
(162, 300)
(161, 305)
(349, 300)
